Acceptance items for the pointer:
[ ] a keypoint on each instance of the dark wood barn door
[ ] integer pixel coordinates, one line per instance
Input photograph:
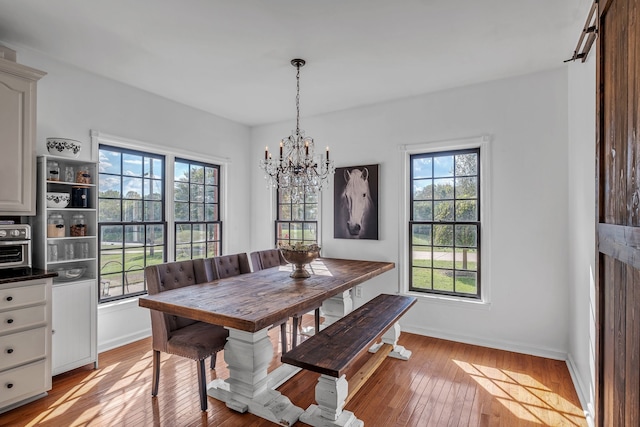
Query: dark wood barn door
(618, 213)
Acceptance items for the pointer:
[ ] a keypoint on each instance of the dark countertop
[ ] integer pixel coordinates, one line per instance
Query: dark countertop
(11, 275)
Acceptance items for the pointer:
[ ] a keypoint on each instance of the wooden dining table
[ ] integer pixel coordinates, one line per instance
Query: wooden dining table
(247, 305)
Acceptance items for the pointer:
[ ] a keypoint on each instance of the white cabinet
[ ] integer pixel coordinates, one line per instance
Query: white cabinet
(71, 251)
(74, 341)
(25, 341)
(17, 137)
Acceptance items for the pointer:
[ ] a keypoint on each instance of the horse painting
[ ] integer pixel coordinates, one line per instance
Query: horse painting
(355, 197)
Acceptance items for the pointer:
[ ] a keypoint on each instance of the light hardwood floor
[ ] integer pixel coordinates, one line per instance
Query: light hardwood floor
(443, 384)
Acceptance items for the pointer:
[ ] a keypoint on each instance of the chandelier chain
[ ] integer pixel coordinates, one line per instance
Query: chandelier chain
(298, 99)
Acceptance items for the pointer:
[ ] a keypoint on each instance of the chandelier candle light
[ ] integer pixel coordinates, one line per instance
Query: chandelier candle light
(297, 169)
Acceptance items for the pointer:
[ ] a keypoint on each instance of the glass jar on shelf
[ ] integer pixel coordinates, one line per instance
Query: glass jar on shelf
(82, 250)
(53, 171)
(69, 174)
(78, 226)
(55, 225)
(69, 251)
(83, 176)
(52, 252)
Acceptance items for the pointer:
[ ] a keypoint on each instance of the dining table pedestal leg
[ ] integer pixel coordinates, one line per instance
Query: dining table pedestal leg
(248, 356)
(336, 307)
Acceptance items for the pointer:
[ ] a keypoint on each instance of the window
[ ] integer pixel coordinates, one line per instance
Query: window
(131, 226)
(196, 198)
(154, 207)
(444, 223)
(296, 222)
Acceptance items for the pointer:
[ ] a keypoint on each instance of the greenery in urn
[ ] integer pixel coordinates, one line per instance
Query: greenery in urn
(299, 254)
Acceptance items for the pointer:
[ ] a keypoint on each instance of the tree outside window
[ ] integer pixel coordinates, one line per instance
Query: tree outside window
(131, 219)
(197, 210)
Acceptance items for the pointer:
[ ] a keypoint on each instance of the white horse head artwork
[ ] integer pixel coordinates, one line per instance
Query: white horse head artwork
(355, 210)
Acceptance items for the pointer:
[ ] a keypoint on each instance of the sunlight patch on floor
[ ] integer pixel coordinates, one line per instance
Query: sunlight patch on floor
(89, 384)
(524, 396)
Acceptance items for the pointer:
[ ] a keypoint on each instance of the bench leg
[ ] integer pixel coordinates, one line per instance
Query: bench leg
(330, 395)
(391, 337)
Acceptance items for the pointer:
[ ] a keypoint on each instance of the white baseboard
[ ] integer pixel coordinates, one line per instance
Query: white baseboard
(123, 340)
(483, 342)
(583, 392)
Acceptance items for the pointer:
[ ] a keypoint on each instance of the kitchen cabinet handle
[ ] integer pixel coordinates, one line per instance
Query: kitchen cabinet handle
(9, 350)
(9, 298)
(9, 385)
(9, 321)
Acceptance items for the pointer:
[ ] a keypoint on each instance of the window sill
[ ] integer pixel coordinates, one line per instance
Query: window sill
(121, 304)
(450, 300)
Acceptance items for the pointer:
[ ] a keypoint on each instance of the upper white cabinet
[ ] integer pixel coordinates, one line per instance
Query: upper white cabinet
(17, 138)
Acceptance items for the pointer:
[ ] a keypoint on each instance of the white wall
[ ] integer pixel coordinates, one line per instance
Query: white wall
(534, 215)
(526, 118)
(71, 102)
(582, 134)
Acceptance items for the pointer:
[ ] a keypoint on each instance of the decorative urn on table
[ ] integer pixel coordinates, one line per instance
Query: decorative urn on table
(299, 255)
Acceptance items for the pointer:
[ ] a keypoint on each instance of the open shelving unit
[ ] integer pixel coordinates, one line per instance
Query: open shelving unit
(74, 300)
(41, 258)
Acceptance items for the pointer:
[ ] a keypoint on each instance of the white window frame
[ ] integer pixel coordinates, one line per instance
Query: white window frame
(482, 142)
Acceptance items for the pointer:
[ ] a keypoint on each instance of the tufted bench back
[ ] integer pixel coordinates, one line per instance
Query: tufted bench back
(231, 265)
(266, 259)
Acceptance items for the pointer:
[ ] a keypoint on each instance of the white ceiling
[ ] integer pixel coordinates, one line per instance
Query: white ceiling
(231, 58)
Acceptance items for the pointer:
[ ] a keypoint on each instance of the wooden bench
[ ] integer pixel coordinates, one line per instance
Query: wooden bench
(333, 351)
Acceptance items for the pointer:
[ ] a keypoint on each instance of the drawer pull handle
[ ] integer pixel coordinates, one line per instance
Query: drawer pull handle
(9, 385)
(9, 298)
(9, 321)
(9, 350)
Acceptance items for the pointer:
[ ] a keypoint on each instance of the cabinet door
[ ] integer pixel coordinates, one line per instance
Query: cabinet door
(74, 332)
(17, 133)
